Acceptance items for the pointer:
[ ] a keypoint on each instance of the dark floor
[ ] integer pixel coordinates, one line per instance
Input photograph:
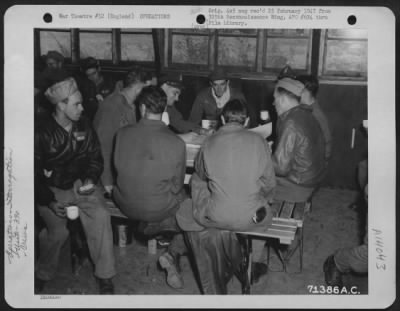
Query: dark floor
(333, 223)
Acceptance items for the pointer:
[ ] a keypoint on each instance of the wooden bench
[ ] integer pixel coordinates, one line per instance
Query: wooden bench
(282, 229)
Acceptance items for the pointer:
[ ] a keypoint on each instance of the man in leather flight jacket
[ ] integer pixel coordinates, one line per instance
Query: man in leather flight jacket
(68, 164)
(299, 157)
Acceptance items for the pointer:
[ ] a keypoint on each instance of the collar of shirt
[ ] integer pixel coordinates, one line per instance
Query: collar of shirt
(155, 123)
(301, 106)
(230, 127)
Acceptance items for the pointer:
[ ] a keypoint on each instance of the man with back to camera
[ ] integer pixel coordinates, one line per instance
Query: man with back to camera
(227, 195)
(115, 112)
(209, 102)
(150, 163)
(95, 87)
(68, 164)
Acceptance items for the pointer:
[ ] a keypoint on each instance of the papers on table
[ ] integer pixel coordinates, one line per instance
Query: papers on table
(264, 130)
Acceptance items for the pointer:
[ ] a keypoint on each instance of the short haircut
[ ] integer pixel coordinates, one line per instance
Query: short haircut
(282, 91)
(88, 63)
(310, 83)
(153, 98)
(135, 75)
(235, 111)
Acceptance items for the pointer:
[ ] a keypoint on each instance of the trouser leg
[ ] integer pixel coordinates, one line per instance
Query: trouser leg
(177, 245)
(96, 223)
(217, 255)
(52, 238)
(352, 259)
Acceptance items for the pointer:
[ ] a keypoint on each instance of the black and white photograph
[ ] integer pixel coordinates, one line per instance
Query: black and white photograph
(226, 154)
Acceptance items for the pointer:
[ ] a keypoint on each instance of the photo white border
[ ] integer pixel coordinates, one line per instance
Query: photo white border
(20, 21)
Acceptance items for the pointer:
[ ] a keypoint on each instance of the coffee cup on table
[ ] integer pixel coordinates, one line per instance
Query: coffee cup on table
(264, 116)
(72, 212)
(209, 124)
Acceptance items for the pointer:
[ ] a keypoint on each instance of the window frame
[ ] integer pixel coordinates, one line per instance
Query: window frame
(38, 49)
(183, 66)
(134, 32)
(93, 30)
(275, 71)
(329, 76)
(219, 33)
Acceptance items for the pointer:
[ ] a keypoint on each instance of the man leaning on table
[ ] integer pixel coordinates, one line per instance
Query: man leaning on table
(231, 188)
(209, 102)
(172, 85)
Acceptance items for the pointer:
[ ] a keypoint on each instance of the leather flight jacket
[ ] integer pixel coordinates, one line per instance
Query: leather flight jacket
(62, 157)
(299, 154)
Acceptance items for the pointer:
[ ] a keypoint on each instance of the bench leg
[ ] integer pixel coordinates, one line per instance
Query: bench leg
(245, 267)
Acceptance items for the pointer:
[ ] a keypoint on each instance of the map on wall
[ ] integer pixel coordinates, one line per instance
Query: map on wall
(346, 57)
(237, 51)
(97, 45)
(138, 47)
(188, 49)
(287, 51)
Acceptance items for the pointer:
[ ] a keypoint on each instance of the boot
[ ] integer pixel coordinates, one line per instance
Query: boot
(168, 263)
(333, 276)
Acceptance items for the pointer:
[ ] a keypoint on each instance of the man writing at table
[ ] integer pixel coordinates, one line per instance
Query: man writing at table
(209, 102)
(231, 188)
(150, 163)
(172, 85)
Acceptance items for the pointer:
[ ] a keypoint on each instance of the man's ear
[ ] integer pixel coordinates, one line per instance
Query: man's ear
(246, 122)
(62, 105)
(223, 120)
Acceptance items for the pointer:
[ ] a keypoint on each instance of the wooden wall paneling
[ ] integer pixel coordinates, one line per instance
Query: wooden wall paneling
(75, 46)
(116, 46)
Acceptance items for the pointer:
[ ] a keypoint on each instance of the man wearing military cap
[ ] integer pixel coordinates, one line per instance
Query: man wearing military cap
(172, 85)
(299, 157)
(95, 87)
(68, 164)
(210, 101)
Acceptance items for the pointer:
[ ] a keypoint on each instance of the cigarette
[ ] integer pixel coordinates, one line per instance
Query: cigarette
(353, 133)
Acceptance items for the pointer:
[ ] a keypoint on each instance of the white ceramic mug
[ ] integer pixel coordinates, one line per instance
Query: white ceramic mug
(264, 115)
(208, 124)
(165, 118)
(72, 212)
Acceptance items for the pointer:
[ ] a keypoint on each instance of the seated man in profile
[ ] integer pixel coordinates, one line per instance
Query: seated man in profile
(68, 164)
(150, 163)
(309, 97)
(231, 188)
(299, 156)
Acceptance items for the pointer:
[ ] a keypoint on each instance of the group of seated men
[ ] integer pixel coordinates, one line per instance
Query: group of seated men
(141, 163)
